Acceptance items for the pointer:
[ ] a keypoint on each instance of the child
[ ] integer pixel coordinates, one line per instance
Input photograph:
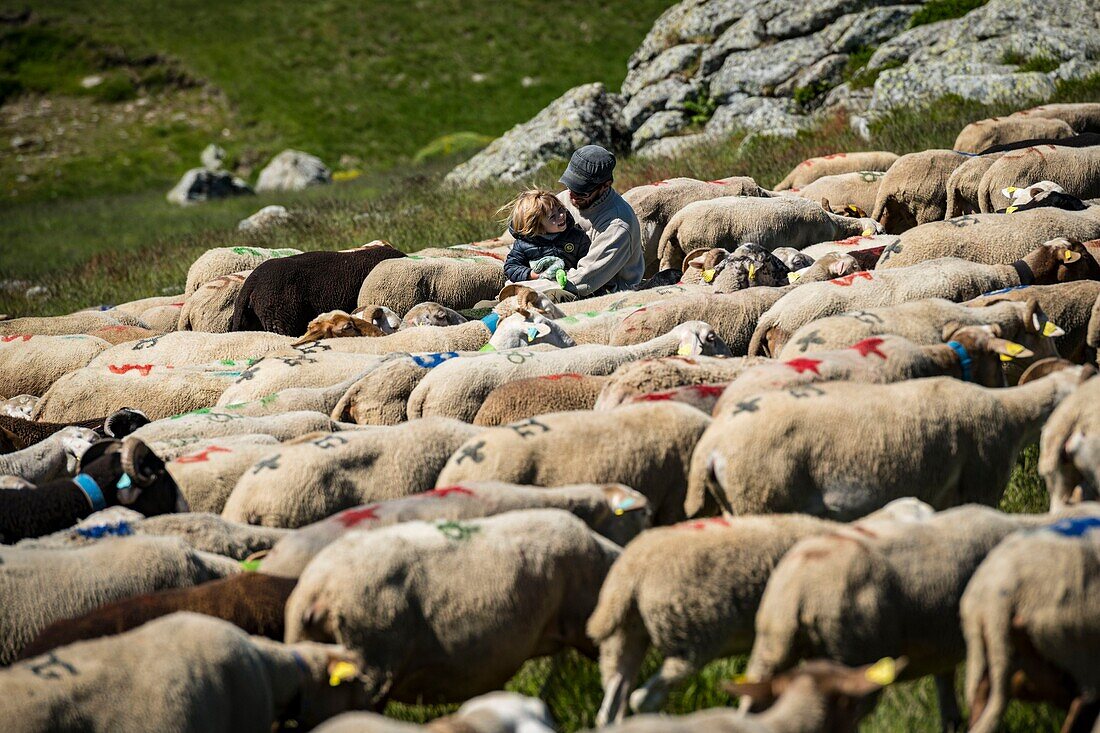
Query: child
(548, 241)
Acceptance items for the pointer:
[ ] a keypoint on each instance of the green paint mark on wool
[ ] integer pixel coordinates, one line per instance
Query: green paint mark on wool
(456, 530)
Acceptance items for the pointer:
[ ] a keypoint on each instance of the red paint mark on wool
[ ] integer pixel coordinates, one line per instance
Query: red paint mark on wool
(557, 377)
(445, 491)
(351, 517)
(866, 347)
(9, 339)
(203, 455)
(851, 241)
(654, 397)
(804, 365)
(834, 156)
(142, 369)
(702, 524)
(709, 390)
(847, 280)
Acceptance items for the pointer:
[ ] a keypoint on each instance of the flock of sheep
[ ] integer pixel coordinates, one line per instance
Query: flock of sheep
(316, 483)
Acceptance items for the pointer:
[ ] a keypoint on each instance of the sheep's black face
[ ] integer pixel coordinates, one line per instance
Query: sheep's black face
(151, 492)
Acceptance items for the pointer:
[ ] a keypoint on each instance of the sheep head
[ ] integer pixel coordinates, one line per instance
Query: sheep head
(514, 297)
(431, 314)
(696, 338)
(337, 324)
(524, 328)
(1057, 261)
(987, 350)
(385, 319)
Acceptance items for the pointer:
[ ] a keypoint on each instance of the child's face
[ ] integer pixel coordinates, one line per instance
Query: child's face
(554, 222)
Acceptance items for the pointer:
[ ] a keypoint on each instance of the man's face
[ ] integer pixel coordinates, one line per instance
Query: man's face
(585, 200)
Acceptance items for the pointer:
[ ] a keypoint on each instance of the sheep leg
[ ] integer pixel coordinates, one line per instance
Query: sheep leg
(950, 717)
(651, 696)
(621, 656)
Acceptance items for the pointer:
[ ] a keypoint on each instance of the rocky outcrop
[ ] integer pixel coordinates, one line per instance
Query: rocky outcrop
(711, 68)
(202, 184)
(587, 114)
(268, 216)
(293, 170)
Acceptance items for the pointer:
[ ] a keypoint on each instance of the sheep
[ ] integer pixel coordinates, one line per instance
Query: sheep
(163, 318)
(914, 190)
(381, 396)
(596, 326)
(653, 375)
(431, 314)
(770, 222)
(20, 406)
(385, 319)
(811, 169)
(317, 475)
(1084, 140)
(157, 390)
(180, 434)
(733, 316)
(226, 260)
(186, 348)
(861, 247)
(820, 695)
(691, 591)
(210, 308)
(42, 586)
(452, 282)
(512, 298)
(30, 364)
(209, 469)
(18, 433)
(523, 398)
(1076, 170)
(284, 295)
(221, 681)
(56, 456)
(794, 259)
(122, 334)
(296, 399)
(1031, 607)
(542, 568)
(337, 324)
(612, 510)
(646, 446)
(655, 203)
(612, 301)
(1082, 117)
(821, 448)
(992, 239)
(111, 472)
(469, 336)
(523, 329)
(860, 594)
(946, 277)
(849, 194)
(253, 602)
(979, 136)
(1067, 304)
(962, 185)
(495, 712)
(1069, 450)
(75, 323)
(309, 366)
(136, 307)
(201, 531)
(457, 387)
(748, 266)
(972, 353)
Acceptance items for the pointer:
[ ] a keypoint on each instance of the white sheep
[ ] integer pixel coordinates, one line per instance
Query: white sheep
(179, 434)
(30, 364)
(1069, 450)
(1076, 170)
(670, 372)
(977, 137)
(186, 348)
(210, 308)
(226, 260)
(914, 190)
(54, 457)
(811, 169)
(458, 283)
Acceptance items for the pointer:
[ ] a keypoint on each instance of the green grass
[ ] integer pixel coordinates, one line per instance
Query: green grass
(938, 10)
(1039, 62)
(373, 80)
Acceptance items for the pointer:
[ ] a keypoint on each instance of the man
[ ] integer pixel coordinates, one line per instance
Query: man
(615, 259)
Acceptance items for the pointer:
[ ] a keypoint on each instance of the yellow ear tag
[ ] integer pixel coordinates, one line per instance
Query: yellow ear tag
(1070, 256)
(1011, 189)
(742, 679)
(1014, 348)
(684, 350)
(883, 672)
(793, 277)
(708, 276)
(342, 672)
(752, 273)
(868, 232)
(1010, 209)
(1049, 329)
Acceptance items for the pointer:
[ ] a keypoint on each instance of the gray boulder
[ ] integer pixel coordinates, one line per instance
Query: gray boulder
(587, 114)
(202, 184)
(266, 217)
(293, 170)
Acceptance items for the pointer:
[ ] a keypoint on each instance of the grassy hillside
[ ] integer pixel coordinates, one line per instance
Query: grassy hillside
(370, 82)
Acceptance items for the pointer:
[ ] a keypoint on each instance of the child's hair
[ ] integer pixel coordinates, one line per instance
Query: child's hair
(527, 209)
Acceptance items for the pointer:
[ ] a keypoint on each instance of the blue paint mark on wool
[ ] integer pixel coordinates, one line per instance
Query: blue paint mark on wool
(430, 361)
(1075, 527)
(1005, 290)
(119, 529)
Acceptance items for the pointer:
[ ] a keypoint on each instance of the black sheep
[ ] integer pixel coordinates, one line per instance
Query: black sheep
(17, 433)
(283, 295)
(111, 472)
(1084, 140)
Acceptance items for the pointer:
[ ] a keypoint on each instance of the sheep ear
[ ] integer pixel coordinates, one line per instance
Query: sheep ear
(312, 334)
(1009, 350)
(825, 205)
(536, 330)
(689, 346)
(694, 258)
(341, 670)
(622, 500)
(507, 291)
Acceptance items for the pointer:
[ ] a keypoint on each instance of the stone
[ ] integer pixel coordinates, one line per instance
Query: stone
(985, 83)
(201, 184)
(676, 61)
(213, 156)
(293, 170)
(584, 115)
(874, 27)
(667, 94)
(691, 21)
(825, 72)
(266, 217)
(672, 147)
(744, 35)
(659, 125)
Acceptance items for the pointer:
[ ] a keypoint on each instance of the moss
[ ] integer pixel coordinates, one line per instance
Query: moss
(938, 10)
(452, 144)
(865, 78)
(805, 96)
(701, 108)
(1040, 62)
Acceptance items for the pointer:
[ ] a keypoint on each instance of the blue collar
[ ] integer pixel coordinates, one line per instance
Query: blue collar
(491, 322)
(91, 489)
(964, 359)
